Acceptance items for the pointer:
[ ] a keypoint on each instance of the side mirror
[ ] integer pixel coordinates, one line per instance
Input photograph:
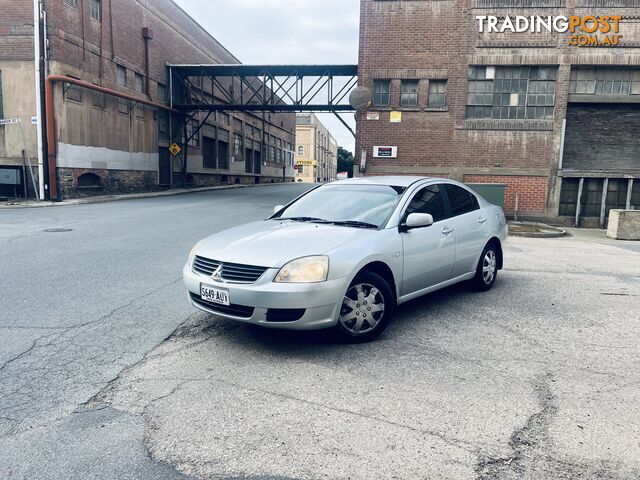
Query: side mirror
(277, 208)
(417, 220)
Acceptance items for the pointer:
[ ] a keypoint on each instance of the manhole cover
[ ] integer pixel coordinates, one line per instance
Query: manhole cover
(58, 230)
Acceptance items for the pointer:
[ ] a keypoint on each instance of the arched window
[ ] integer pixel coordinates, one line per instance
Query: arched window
(89, 180)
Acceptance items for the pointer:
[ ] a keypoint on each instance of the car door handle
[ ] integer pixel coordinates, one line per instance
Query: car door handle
(482, 220)
(447, 231)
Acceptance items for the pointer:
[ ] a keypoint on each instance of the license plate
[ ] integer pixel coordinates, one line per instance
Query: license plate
(214, 295)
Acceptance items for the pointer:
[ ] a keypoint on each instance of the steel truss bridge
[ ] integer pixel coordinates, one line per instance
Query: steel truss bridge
(262, 88)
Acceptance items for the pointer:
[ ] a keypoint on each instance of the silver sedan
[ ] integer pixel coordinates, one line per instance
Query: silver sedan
(345, 254)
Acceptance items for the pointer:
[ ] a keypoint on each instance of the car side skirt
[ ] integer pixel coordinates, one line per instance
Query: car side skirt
(439, 286)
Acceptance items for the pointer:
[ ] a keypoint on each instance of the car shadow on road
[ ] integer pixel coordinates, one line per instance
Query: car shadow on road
(423, 310)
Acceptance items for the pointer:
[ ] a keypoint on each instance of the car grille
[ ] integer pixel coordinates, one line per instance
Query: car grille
(240, 311)
(231, 272)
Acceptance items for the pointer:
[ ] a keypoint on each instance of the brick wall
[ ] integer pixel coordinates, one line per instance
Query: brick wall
(83, 47)
(430, 40)
(532, 192)
(82, 44)
(16, 29)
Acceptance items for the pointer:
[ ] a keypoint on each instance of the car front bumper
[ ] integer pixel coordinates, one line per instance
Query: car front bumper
(321, 302)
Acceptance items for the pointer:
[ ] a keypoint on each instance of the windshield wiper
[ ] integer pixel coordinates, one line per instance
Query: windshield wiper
(355, 223)
(304, 219)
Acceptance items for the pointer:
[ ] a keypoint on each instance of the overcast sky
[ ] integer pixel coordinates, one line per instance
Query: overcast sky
(286, 32)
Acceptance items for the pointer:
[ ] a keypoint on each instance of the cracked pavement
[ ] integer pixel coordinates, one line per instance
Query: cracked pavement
(107, 372)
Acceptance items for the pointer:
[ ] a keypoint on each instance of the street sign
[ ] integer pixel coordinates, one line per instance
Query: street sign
(34, 120)
(175, 149)
(9, 121)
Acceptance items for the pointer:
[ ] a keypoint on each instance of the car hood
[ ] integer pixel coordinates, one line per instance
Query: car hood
(272, 243)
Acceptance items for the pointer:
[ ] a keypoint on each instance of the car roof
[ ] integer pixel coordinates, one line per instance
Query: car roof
(396, 181)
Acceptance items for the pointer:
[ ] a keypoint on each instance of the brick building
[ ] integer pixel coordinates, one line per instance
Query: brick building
(104, 143)
(316, 151)
(554, 122)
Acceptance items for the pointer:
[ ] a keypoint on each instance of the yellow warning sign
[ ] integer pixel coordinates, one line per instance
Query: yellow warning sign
(175, 149)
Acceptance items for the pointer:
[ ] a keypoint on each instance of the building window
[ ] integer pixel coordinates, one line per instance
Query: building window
(605, 81)
(99, 99)
(237, 145)
(568, 197)
(223, 118)
(300, 169)
(512, 92)
(95, 9)
(381, 93)
(71, 3)
(123, 107)
(301, 150)
(73, 92)
(437, 94)
(139, 82)
(121, 75)
(409, 93)
(237, 125)
(193, 134)
(89, 180)
(162, 92)
(163, 125)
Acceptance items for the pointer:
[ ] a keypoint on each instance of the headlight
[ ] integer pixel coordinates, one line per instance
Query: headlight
(192, 253)
(304, 270)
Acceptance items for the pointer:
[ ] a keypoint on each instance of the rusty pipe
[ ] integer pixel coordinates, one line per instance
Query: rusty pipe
(50, 119)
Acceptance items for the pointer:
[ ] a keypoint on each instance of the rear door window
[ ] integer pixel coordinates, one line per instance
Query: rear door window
(461, 201)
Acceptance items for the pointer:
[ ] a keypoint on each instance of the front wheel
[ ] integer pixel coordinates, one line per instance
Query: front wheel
(367, 307)
(487, 270)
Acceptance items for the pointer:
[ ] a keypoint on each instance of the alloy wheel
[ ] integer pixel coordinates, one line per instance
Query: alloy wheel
(489, 267)
(362, 308)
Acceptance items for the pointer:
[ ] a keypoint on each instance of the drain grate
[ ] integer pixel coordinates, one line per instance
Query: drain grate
(58, 230)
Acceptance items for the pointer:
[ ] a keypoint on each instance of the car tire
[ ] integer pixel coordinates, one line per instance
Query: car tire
(487, 269)
(367, 307)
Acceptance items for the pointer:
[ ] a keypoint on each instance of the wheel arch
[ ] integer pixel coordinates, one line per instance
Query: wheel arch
(380, 268)
(496, 241)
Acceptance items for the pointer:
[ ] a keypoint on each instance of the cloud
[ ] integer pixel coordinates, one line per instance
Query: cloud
(286, 32)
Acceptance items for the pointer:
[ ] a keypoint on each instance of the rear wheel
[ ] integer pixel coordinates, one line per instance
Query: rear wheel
(487, 270)
(366, 309)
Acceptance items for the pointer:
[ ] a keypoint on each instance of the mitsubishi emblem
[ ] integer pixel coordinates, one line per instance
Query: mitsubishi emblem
(217, 275)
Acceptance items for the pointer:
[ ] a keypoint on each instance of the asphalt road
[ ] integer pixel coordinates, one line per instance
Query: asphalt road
(106, 372)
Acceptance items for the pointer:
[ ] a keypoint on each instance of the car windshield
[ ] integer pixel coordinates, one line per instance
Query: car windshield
(350, 205)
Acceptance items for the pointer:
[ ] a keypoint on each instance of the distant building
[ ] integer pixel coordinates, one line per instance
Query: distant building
(542, 112)
(316, 158)
(105, 144)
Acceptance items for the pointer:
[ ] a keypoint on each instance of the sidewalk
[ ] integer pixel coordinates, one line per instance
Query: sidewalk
(127, 196)
(598, 235)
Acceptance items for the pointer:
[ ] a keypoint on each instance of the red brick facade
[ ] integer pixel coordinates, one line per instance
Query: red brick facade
(532, 192)
(440, 40)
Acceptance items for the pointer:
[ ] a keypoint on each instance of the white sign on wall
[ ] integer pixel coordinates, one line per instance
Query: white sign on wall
(385, 152)
(9, 121)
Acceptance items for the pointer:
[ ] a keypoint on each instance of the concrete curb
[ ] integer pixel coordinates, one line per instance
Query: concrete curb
(552, 232)
(132, 196)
